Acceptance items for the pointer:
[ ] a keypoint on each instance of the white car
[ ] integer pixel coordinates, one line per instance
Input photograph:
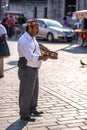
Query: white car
(54, 30)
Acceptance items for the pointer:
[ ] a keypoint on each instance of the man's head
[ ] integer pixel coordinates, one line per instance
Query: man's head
(32, 27)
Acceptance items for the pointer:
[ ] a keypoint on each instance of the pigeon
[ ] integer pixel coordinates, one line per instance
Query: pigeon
(82, 63)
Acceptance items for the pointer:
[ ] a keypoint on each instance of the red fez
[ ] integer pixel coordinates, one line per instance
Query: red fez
(31, 22)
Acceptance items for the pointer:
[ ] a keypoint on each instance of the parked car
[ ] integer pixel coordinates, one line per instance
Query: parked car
(54, 30)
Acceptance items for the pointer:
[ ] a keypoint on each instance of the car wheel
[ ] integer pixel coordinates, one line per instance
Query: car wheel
(80, 41)
(50, 37)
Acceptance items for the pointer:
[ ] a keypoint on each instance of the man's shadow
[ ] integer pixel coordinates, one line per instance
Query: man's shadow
(17, 125)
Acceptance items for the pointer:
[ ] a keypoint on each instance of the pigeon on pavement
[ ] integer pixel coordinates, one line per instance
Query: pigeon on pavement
(82, 63)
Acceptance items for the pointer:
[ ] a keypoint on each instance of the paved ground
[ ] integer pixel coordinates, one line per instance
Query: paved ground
(62, 96)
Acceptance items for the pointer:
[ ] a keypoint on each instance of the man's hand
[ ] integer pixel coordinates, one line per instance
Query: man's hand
(3, 37)
(44, 57)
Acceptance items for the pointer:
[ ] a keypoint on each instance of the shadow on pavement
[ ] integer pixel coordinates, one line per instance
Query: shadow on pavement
(72, 47)
(75, 49)
(12, 63)
(17, 125)
(10, 68)
(53, 42)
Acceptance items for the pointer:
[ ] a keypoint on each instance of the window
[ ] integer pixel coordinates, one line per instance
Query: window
(41, 24)
(35, 12)
(45, 12)
(70, 7)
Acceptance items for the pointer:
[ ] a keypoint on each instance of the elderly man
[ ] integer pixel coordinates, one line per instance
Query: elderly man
(3, 34)
(28, 48)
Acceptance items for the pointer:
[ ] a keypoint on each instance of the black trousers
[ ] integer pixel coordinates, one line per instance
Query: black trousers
(28, 90)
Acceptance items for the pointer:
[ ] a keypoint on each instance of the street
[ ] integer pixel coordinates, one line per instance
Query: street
(62, 93)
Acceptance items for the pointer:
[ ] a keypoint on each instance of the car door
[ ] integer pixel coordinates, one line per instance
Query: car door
(42, 29)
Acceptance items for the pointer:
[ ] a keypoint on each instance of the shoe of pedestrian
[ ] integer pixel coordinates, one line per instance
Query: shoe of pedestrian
(1, 76)
(36, 113)
(32, 119)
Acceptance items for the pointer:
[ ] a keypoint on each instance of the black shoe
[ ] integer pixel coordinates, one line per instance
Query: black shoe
(1, 76)
(37, 113)
(28, 119)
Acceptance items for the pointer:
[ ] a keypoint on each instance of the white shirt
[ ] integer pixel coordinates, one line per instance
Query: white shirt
(29, 48)
(81, 24)
(2, 30)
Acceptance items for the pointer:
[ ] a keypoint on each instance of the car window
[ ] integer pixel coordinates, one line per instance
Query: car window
(54, 23)
(42, 24)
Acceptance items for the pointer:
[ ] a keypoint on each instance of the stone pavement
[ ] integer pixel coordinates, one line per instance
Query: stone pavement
(62, 96)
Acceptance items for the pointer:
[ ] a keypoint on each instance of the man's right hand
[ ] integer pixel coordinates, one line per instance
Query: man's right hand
(44, 57)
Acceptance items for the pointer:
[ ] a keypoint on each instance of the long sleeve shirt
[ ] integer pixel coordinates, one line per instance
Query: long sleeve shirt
(2, 30)
(29, 48)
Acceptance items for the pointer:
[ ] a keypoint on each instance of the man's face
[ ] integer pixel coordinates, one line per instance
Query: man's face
(35, 29)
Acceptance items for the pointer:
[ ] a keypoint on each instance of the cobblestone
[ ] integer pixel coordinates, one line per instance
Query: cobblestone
(62, 96)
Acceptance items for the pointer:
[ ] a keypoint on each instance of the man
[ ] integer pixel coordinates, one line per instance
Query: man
(10, 23)
(28, 75)
(3, 22)
(3, 34)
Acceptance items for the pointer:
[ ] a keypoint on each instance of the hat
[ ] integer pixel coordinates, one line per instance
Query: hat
(31, 22)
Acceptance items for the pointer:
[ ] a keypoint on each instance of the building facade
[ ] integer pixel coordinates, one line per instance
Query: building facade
(3, 6)
(30, 8)
(54, 9)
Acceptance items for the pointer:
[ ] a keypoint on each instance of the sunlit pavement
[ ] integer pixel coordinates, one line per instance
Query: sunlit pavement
(62, 94)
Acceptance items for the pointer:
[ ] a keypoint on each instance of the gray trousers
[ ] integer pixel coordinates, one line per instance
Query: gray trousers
(1, 67)
(28, 90)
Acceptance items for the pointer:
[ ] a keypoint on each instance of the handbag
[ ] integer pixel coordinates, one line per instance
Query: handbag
(4, 49)
(22, 62)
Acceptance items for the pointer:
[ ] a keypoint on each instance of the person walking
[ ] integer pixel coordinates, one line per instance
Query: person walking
(3, 22)
(28, 50)
(65, 21)
(3, 34)
(9, 23)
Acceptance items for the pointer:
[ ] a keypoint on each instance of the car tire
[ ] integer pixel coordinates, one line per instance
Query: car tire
(80, 41)
(50, 37)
